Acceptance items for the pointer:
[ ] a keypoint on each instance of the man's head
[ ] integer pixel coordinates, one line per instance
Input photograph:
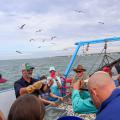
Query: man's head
(100, 86)
(52, 71)
(79, 70)
(107, 69)
(27, 70)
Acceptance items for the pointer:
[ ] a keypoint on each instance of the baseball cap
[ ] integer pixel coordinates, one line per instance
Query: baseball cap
(27, 66)
(52, 69)
(106, 69)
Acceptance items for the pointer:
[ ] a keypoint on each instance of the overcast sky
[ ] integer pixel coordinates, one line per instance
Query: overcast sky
(59, 19)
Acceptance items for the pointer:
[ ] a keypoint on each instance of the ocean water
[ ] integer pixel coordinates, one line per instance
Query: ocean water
(11, 69)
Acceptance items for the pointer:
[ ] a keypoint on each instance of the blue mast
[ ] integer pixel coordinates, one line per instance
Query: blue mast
(79, 44)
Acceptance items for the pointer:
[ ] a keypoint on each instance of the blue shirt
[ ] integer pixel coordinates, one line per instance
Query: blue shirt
(116, 83)
(110, 108)
(82, 103)
(22, 83)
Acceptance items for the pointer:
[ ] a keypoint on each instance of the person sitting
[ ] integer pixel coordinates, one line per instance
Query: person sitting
(28, 85)
(56, 86)
(80, 74)
(27, 107)
(21, 85)
(47, 94)
(81, 100)
(105, 96)
(2, 80)
(107, 69)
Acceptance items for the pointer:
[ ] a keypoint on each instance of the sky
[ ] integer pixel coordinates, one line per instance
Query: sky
(52, 27)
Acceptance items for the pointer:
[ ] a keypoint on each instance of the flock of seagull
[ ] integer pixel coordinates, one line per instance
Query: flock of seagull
(32, 39)
(52, 37)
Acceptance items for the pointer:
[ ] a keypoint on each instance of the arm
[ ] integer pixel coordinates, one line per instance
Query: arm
(23, 91)
(55, 96)
(79, 104)
(82, 105)
(2, 117)
(46, 87)
(58, 81)
(58, 84)
(19, 89)
(48, 102)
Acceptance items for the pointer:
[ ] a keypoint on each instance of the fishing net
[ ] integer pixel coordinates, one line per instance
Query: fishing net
(65, 109)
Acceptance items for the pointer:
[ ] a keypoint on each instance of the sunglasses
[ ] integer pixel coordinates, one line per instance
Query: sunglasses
(52, 71)
(30, 70)
(79, 71)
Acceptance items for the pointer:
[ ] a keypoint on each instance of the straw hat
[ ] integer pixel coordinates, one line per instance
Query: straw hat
(79, 68)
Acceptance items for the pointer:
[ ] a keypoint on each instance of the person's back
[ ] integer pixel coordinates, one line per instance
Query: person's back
(81, 101)
(105, 95)
(110, 108)
(27, 107)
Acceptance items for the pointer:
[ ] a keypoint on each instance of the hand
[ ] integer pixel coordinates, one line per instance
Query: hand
(37, 85)
(50, 82)
(61, 98)
(77, 85)
(29, 89)
(54, 104)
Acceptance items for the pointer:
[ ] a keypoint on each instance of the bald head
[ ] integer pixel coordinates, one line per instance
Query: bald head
(100, 86)
(100, 79)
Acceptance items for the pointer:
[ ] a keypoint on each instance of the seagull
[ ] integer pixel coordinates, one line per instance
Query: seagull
(53, 37)
(68, 48)
(101, 22)
(19, 52)
(32, 40)
(53, 43)
(43, 40)
(40, 30)
(39, 46)
(79, 11)
(22, 26)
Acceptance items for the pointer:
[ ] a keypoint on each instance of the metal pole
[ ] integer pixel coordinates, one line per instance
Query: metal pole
(72, 60)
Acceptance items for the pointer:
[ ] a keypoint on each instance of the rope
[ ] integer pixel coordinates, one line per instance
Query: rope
(95, 61)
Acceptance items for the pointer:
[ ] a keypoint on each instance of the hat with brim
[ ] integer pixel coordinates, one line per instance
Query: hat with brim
(79, 68)
(106, 69)
(27, 66)
(52, 69)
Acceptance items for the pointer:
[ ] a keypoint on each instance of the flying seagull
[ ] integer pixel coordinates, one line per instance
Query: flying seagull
(19, 52)
(32, 40)
(79, 11)
(40, 30)
(53, 43)
(43, 40)
(101, 22)
(39, 46)
(53, 37)
(22, 26)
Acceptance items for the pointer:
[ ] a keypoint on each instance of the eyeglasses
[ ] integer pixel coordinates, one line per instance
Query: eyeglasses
(30, 70)
(52, 71)
(79, 71)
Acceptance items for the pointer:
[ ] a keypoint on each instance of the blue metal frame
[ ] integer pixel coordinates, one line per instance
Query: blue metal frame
(79, 44)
